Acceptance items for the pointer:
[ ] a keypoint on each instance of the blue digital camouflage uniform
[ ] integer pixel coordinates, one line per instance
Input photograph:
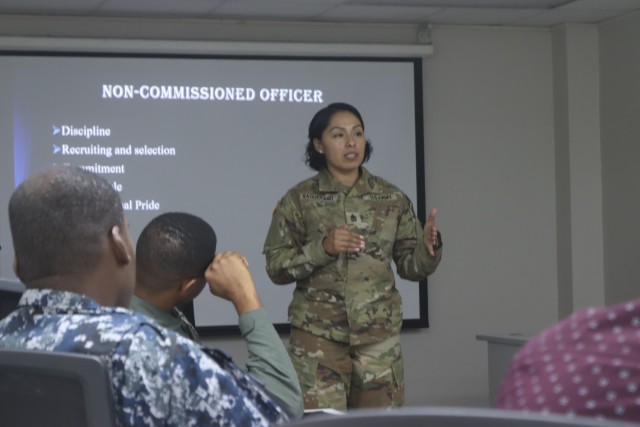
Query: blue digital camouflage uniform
(158, 377)
(267, 362)
(350, 299)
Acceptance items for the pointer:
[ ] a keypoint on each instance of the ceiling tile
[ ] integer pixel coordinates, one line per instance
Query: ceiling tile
(602, 5)
(261, 2)
(58, 7)
(271, 9)
(373, 13)
(459, 12)
(512, 4)
(558, 16)
(481, 16)
(158, 7)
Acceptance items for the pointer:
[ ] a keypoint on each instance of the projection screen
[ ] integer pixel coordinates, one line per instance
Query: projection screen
(219, 136)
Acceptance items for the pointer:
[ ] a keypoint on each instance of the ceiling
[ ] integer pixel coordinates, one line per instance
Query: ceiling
(533, 13)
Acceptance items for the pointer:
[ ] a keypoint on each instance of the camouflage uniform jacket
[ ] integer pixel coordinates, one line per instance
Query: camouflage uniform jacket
(158, 377)
(350, 298)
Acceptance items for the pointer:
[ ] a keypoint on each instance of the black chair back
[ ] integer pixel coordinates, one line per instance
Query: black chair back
(54, 389)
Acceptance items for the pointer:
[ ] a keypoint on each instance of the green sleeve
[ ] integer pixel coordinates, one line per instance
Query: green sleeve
(269, 362)
(289, 256)
(412, 259)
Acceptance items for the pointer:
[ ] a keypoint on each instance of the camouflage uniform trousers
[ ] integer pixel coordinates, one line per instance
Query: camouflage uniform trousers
(343, 376)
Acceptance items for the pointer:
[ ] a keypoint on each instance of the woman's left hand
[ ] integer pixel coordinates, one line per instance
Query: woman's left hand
(430, 235)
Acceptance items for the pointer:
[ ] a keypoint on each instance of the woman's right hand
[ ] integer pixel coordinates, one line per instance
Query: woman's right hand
(342, 239)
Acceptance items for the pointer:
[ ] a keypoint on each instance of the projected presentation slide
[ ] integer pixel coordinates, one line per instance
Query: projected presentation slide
(219, 137)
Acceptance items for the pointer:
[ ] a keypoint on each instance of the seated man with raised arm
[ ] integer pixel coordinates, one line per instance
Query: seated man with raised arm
(172, 256)
(74, 253)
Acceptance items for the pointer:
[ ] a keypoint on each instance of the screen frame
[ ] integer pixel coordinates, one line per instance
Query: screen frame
(413, 54)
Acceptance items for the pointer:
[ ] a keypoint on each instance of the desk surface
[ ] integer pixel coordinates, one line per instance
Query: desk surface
(514, 338)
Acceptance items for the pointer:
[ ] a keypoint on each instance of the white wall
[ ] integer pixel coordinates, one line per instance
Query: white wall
(578, 167)
(490, 133)
(490, 172)
(620, 115)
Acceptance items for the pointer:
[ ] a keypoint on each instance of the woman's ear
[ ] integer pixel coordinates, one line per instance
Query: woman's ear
(317, 144)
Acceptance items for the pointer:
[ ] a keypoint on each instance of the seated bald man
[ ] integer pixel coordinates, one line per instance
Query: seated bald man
(74, 254)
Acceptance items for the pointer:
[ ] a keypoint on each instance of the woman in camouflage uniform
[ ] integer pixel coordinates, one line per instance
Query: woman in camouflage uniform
(335, 234)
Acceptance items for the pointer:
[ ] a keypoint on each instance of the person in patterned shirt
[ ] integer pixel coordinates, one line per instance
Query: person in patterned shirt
(74, 254)
(587, 364)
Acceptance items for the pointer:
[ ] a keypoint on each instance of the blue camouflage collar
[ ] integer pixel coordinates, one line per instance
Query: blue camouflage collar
(49, 300)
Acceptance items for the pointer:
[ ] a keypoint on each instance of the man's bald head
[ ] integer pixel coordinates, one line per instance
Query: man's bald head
(60, 220)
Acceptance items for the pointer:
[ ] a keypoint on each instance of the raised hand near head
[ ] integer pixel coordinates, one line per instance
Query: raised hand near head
(229, 278)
